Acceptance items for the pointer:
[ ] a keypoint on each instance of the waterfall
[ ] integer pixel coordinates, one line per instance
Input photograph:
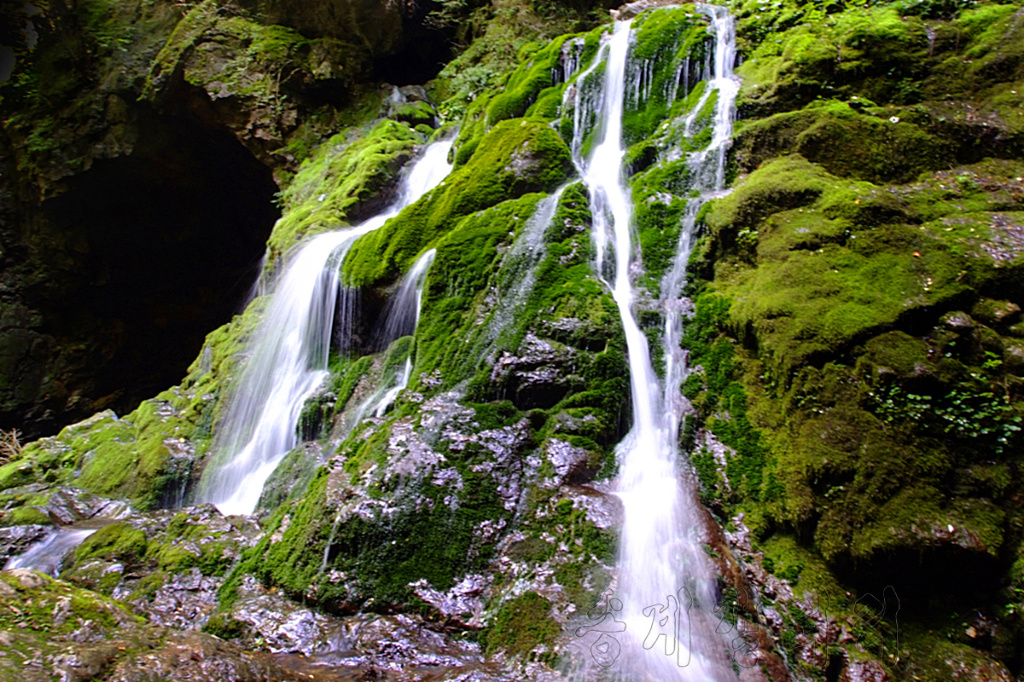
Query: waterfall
(666, 583)
(707, 170)
(289, 353)
(402, 313)
(403, 316)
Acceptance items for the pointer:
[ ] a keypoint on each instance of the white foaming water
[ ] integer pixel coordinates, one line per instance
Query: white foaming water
(403, 310)
(47, 555)
(402, 319)
(707, 170)
(289, 354)
(660, 552)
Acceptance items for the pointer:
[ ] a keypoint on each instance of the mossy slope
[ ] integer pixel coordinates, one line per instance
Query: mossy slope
(857, 296)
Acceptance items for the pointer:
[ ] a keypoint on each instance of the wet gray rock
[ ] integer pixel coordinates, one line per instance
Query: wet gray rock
(582, 334)
(67, 505)
(538, 375)
(632, 9)
(957, 321)
(279, 625)
(722, 453)
(16, 539)
(71, 510)
(994, 313)
(166, 581)
(865, 671)
(1013, 355)
(411, 104)
(602, 508)
(402, 642)
(186, 601)
(505, 447)
(462, 604)
(571, 464)
(74, 635)
(196, 656)
(399, 647)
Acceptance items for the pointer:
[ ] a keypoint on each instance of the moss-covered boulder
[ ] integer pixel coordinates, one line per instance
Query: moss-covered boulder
(167, 566)
(515, 158)
(347, 179)
(53, 630)
(871, 436)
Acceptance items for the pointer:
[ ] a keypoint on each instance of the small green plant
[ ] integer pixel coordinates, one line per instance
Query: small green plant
(962, 412)
(746, 241)
(1014, 606)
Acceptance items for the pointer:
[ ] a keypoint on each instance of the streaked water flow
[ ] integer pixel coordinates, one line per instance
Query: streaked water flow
(660, 553)
(289, 353)
(403, 316)
(47, 555)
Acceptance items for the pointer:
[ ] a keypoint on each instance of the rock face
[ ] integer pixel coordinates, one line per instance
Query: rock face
(52, 630)
(859, 410)
(189, 112)
(373, 27)
(854, 338)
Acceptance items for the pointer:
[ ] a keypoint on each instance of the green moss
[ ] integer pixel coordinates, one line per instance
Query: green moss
(26, 515)
(658, 214)
(17, 473)
(520, 626)
(133, 456)
(290, 479)
(932, 656)
(513, 159)
(721, 402)
(666, 40)
(526, 84)
(412, 533)
(118, 542)
(30, 604)
(876, 146)
(225, 627)
(416, 114)
(188, 544)
(229, 54)
(849, 50)
(339, 180)
(506, 32)
(850, 285)
(465, 263)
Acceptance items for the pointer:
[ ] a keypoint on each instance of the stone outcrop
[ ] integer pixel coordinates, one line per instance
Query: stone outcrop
(854, 339)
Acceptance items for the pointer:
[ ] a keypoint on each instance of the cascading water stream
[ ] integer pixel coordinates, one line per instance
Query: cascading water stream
(289, 354)
(403, 316)
(670, 632)
(707, 171)
(47, 555)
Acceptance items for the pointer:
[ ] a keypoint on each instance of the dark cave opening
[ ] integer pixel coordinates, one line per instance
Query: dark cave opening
(422, 54)
(166, 243)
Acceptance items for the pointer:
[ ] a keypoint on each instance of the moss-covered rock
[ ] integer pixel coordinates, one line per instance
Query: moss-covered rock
(523, 625)
(874, 433)
(345, 180)
(53, 630)
(167, 565)
(513, 159)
